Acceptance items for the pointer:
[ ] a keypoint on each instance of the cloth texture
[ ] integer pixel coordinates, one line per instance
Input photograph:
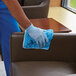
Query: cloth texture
(37, 34)
(8, 25)
(2, 5)
(29, 43)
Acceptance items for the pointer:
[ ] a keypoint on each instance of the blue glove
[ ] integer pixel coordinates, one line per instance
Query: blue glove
(29, 43)
(38, 35)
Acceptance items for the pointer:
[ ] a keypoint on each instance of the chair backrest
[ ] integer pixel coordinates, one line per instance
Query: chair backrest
(62, 48)
(32, 2)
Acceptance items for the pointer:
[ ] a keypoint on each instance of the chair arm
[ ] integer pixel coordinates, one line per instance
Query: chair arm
(62, 48)
(37, 11)
(44, 3)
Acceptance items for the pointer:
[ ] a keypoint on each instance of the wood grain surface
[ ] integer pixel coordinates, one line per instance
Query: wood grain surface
(63, 16)
(49, 23)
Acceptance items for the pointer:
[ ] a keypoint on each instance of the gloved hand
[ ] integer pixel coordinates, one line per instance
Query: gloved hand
(37, 34)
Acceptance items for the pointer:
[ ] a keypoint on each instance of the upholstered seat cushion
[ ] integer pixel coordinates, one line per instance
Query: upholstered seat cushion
(71, 75)
(42, 68)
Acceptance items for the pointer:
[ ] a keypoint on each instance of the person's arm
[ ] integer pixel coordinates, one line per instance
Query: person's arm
(17, 12)
(36, 33)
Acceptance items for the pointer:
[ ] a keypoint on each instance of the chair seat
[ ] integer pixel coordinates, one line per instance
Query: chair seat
(42, 68)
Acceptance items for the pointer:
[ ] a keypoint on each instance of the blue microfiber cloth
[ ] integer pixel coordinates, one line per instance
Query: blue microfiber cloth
(30, 43)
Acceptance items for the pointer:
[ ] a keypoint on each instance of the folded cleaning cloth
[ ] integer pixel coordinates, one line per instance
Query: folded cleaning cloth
(30, 43)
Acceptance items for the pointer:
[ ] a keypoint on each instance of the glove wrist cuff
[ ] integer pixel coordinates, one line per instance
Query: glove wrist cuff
(30, 27)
